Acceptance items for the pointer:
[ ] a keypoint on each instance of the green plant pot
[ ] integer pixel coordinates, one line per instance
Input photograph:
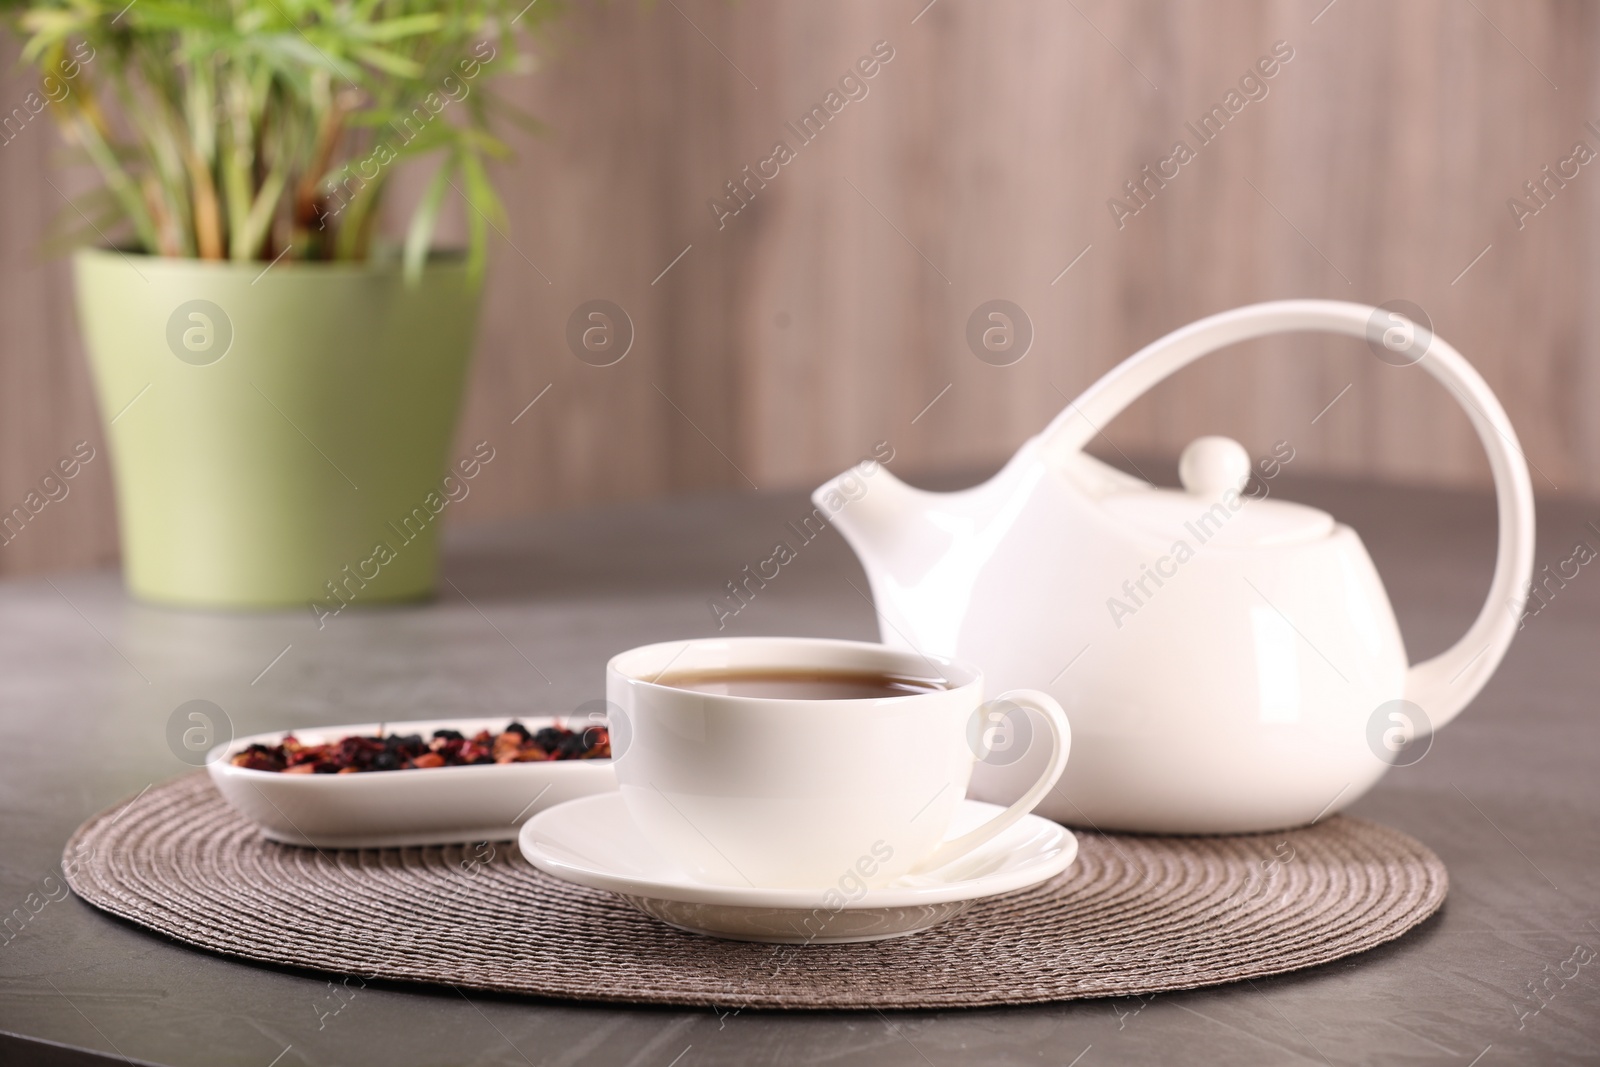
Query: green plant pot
(269, 429)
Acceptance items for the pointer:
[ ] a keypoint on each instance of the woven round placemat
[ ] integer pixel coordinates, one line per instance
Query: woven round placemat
(1133, 915)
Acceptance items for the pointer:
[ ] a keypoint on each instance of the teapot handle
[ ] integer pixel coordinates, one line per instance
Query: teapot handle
(1444, 685)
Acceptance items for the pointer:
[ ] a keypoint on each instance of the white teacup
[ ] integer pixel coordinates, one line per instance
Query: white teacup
(801, 792)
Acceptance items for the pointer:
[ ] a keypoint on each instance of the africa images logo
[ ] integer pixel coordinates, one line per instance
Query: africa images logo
(199, 332)
(1399, 733)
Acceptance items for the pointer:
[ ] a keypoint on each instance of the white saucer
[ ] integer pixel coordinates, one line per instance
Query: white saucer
(592, 841)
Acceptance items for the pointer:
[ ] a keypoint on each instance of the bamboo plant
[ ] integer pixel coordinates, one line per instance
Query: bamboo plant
(250, 130)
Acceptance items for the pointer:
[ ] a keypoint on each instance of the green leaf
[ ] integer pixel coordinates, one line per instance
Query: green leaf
(395, 29)
(388, 62)
(420, 234)
(486, 210)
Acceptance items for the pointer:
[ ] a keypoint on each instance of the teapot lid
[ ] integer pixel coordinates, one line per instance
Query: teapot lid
(1212, 508)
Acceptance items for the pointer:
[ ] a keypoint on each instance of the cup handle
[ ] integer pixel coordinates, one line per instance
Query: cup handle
(1060, 749)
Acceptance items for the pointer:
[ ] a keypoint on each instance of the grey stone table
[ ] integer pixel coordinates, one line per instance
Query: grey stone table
(1508, 797)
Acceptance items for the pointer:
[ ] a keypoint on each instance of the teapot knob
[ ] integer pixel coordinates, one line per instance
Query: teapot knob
(1210, 466)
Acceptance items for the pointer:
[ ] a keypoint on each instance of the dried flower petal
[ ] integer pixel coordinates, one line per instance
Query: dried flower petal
(446, 748)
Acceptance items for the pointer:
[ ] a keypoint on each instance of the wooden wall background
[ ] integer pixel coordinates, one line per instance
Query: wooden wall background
(831, 312)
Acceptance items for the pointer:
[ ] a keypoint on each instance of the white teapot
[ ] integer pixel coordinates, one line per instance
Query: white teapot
(1228, 664)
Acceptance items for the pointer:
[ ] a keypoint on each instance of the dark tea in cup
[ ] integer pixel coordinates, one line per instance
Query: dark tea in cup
(794, 683)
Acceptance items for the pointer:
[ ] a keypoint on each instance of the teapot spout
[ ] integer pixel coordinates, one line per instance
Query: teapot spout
(876, 513)
(895, 533)
(923, 551)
